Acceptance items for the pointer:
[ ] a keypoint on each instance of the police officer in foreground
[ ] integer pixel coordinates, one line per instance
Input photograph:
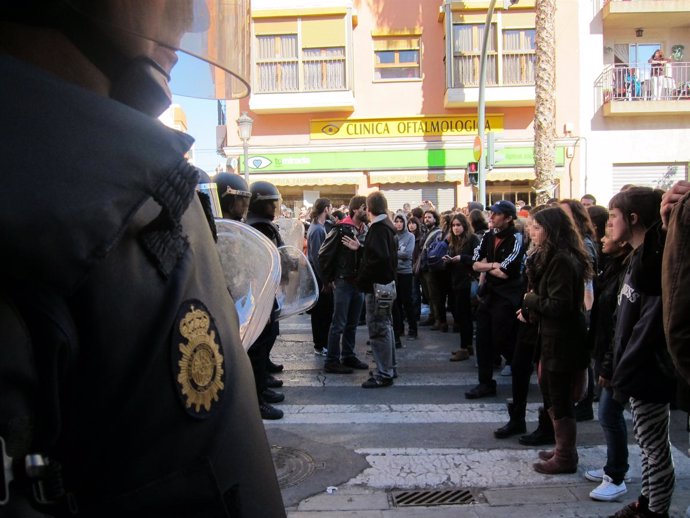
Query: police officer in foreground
(265, 199)
(234, 196)
(124, 390)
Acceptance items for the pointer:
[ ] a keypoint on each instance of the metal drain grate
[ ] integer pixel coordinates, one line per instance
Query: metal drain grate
(292, 465)
(428, 498)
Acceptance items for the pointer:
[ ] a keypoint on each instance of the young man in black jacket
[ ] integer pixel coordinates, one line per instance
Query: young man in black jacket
(499, 255)
(378, 265)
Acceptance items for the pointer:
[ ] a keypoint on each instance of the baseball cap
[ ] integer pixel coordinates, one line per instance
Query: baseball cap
(504, 207)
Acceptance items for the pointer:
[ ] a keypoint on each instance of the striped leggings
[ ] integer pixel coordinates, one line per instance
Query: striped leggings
(650, 425)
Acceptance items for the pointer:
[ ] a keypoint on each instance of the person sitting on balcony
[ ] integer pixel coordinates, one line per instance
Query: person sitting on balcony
(633, 87)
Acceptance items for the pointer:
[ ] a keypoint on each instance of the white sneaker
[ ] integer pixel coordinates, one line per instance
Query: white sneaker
(607, 491)
(597, 475)
(507, 371)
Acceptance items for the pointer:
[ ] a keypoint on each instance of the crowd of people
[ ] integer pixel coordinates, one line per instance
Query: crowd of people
(571, 288)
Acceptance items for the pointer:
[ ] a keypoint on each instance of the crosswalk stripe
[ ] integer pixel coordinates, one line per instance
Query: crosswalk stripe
(318, 378)
(402, 413)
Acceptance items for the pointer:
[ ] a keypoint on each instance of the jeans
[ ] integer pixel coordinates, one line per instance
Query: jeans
(496, 333)
(347, 306)
(381, 338)
(321, 315)
(616, 434)
(462, 307)
(403, 307)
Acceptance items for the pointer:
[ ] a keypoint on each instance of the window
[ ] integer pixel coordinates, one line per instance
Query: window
(300, 55)
(467, 48)
(510, 58)
(518, 57)
(396, 58)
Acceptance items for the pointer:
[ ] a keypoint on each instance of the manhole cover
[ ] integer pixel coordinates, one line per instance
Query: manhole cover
(429, 498)
(292, 465)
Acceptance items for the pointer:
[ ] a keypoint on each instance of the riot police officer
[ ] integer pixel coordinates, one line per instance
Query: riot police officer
(265, 199)
(124, 389)
(234, 195)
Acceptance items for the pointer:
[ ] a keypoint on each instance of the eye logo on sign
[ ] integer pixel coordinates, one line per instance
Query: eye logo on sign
(330, 129)
(259, 162)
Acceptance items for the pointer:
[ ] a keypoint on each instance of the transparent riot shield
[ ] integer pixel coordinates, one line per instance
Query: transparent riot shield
(298, 291)
(251, 265)
(292, 232)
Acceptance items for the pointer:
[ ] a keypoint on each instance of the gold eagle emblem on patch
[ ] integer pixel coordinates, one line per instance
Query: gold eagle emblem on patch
(201, 363)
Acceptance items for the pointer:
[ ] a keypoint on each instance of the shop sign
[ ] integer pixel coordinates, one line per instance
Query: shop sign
(456, 125)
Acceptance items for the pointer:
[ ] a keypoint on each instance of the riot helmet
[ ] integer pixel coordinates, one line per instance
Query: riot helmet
(265, 199)
(136, 44)
(234, 195)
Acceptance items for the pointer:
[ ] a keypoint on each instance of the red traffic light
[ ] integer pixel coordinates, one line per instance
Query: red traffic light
(472, 167)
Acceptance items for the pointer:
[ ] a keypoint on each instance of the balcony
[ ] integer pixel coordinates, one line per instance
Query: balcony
(645, 13)
(637, 90)
(510, 85)
(312, 82)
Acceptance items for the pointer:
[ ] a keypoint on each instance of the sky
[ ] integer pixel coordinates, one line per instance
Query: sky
(202, 118)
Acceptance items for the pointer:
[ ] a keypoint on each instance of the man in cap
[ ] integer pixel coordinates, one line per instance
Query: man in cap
(499, 256)
(124, 388)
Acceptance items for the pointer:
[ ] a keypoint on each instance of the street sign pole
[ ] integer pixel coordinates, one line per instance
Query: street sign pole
(481, 115)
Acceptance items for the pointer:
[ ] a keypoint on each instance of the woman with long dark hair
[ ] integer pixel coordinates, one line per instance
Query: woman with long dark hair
(461, 245)
(561, 267)
(415, 228)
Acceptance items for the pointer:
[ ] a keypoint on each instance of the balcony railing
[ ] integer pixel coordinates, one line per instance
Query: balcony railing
(312, 74)
(517, 69)
(633, 82)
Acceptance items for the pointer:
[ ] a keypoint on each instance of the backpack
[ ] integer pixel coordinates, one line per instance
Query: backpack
(437, 250)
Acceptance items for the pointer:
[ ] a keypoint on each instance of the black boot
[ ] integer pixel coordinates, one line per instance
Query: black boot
(516, 425)
(543, 434)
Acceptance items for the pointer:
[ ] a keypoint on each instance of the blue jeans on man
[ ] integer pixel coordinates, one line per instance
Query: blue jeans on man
(347, 306)
(380, 327)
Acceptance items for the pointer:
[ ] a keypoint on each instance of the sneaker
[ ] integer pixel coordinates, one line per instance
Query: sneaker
(607, 491)
(270, 412)
(461, 355)
(271, 396)
(507, 371)
(320, 351)
(274, 368)
(597, 475)
(273, 382)
(355, 363)
(337, 368)
(377, 382)
(482, 390)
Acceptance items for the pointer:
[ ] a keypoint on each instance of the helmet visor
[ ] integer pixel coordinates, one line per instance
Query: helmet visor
(213, 62)
(209, 37)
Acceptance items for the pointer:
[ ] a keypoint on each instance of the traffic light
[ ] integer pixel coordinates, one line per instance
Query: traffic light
(473, 172)
(508, 3)
(492, 158)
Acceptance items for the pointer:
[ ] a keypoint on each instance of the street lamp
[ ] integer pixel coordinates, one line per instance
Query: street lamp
(244, 130)
(481, 115)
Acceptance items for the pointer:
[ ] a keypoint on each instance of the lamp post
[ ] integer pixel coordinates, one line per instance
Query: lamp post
(481, 108)
(244, 130)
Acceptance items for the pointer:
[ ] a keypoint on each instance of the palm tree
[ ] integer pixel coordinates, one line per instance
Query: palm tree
(545, 101)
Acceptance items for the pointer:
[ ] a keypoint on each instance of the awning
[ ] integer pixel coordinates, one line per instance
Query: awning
(308, 179)
(510, 175)
(417, 176)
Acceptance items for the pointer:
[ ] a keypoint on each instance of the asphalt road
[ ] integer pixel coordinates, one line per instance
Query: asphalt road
(342, 450)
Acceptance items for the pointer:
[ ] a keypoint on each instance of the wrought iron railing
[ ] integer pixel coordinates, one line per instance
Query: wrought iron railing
(312, 73)
(643, 82)
(517, 69)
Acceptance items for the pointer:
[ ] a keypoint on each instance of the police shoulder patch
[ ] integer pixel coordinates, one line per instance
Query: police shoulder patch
(197, 359)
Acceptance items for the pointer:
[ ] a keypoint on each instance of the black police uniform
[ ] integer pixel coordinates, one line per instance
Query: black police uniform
(142, 391)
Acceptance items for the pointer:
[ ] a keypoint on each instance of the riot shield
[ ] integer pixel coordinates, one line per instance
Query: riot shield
(298, 290)
(292, 232)
(251, 265)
